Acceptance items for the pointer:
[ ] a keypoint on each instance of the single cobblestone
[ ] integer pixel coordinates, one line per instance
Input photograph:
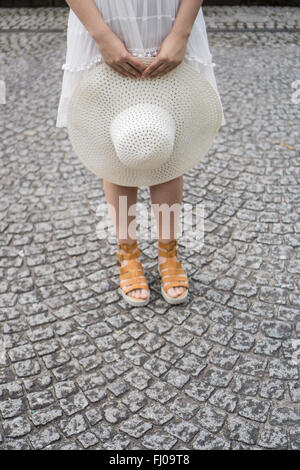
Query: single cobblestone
(273, 438)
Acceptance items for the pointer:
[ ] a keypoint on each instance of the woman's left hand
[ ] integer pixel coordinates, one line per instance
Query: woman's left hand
(170, 55)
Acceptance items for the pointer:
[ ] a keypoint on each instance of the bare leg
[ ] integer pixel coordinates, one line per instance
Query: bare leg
(122, 220)
(168, 193)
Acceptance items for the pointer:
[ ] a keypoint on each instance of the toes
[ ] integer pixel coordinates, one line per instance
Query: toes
(133, 293)
(144, 293)
(172, 292)
(138, 293)
(176, 291)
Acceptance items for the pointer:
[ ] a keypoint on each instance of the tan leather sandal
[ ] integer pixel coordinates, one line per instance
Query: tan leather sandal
(172, 272)
(132, 275)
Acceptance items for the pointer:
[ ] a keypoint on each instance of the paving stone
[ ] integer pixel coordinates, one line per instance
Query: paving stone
(277, 329)
(118, 387)
(27, 368)
(90, 363)
(246, 322)
(138, 379)
(294, 389)
(118, 442)
(273, 438)
(273, 295)
(245, 385)
(295, 438)
(199, 389)
(135, 427)
(210, 419)
(242, 430)
(224, 399)
(43, 437)
(66, 371)
(176, 378)
(114, 412)
(90, 381)
(191, 364)
(161, 392)
(56, 359)
(11, 390)
(156, 413)
(284, 416)
(72, 426)
(196, 325)
(170, 353)
(283, 369)
(253, 409)
(12, 407)
(217, 377)
(37, 383)
(94, 415)
(156, 366)
(95, 395)
(87, 439)
(135, 400)
(208, 441)
(182, 430)
(242, 341)
(252, 365)
(73, 404)
(224, 358)
(41, 399)
(185, 408)
(267, 346)
(220, 334)
(16, 427)
(16, 444)
(199, 347)
(272, 389)
(158, 439)
(45, 415)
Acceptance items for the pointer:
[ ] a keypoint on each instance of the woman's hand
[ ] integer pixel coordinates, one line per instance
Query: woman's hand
(116, 55)
(170, 55)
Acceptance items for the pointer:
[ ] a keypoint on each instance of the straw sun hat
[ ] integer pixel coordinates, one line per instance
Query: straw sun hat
(142, 132)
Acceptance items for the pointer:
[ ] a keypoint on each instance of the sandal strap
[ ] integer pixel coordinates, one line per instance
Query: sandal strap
(170, 247)
(132, 274)
(127, 253)
(171, 271)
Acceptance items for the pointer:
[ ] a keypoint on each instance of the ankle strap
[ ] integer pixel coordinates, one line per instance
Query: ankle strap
(129, 252)
(128, 247)
(170, 247)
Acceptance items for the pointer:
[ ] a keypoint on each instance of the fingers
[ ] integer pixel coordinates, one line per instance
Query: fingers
(160, 71)
(137, 64)
(132, 71)
(158, 68)
(156, 63)
(125, 70)
(127, 66)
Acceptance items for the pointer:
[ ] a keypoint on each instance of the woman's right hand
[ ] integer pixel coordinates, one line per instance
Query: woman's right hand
(115, 54)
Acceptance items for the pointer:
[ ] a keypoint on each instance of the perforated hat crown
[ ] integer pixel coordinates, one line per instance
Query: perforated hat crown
(145, 131)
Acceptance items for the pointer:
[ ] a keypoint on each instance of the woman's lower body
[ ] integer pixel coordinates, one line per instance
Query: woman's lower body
(142, 29)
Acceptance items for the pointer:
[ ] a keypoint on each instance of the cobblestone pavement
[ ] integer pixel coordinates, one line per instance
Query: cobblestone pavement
(78, 368)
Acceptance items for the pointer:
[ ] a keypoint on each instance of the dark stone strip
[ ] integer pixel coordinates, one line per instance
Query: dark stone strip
(210, 30)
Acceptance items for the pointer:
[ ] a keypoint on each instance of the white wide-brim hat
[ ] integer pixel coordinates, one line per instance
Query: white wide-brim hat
(142, 132)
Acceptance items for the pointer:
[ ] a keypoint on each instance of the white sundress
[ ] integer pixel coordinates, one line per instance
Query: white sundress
(142, 25)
